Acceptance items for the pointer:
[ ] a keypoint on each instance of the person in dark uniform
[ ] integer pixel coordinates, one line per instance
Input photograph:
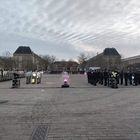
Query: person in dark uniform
(126, 78)
(1, 71)
(121, 77)
(105, 77)
(101, 77)
(130, 77)
(136, 78)
(139, 77)
(92, 78)
(88, 76)
(15, 75)
(95, 78)
(117, 76)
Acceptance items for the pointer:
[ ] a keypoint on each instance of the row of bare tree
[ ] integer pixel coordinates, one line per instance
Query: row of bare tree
(7, 62)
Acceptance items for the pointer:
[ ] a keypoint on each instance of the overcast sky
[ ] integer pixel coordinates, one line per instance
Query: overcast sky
(65, 28)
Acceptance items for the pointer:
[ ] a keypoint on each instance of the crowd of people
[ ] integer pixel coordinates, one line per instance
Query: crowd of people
(103, 77)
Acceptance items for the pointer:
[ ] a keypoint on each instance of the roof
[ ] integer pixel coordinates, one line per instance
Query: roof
(23, 50)
(65, 62)
(131, 58)
(110, 51)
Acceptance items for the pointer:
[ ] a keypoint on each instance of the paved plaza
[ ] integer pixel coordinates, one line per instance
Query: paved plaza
(82, 112)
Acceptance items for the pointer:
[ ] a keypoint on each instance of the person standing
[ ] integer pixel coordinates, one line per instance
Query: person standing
(136, 78)
(130, 77)
(126, 78)
(121, 75)
(105, 77)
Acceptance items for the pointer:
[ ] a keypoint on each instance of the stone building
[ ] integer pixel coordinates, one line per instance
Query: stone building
(60, 66)
(109, 59)
(131, 62)
(25, 59)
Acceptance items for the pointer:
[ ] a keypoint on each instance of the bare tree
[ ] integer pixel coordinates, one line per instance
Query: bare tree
(52, 59)
(48, 60)
(7, 61)
(7, 54)
(82, 58)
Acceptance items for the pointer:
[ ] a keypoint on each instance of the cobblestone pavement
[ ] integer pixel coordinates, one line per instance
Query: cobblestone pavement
(82, 112)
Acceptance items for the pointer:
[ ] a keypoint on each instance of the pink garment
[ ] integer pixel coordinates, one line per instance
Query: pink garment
(65, 77)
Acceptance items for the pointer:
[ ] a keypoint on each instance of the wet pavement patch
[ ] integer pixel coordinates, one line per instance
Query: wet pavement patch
(3, 101)
(39, 133)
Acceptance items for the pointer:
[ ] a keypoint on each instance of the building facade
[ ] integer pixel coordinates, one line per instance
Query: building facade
(60, 66)
(25, 59)
(131, 62)
(109, 59)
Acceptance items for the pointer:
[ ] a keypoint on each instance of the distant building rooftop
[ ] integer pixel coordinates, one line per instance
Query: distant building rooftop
(23, 50)
(131, 58)
(110, 51)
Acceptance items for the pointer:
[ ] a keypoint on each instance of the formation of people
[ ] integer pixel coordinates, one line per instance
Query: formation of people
(109, 77)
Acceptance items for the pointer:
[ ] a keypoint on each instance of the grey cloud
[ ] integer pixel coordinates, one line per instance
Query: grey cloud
(38, 46)
(69, 25)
